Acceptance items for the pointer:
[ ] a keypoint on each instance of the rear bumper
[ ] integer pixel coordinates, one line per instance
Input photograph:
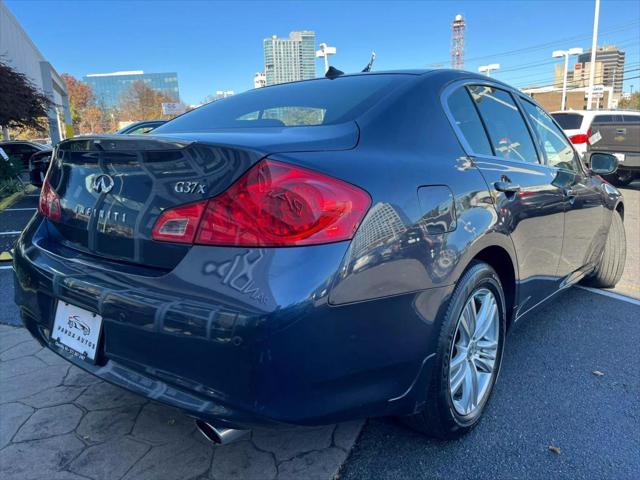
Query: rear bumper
(240, 337)
(631, 161)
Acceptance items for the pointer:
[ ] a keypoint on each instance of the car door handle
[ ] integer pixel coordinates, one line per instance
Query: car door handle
(507, 187)
(570, 192)
(621, 131)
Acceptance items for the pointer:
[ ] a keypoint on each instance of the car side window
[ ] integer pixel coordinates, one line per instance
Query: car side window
(468, 121)
(552, 142)
(507, 131)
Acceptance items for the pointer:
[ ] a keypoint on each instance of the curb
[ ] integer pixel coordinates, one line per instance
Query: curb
(10, 200)
(14, 197)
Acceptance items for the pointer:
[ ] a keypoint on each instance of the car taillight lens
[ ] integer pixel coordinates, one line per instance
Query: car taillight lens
(579, 139)
(179, 224)
(49, 203)
(276, 204)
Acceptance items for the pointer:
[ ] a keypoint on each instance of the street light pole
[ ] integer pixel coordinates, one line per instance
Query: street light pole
(594, 47)
(324, 52)
(488, 68)
(564, 82)
(565, 54)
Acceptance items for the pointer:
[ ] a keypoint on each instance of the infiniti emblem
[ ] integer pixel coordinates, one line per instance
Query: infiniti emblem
(102, 184)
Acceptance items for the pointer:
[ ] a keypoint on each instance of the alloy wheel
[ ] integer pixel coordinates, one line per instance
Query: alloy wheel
(474, 352)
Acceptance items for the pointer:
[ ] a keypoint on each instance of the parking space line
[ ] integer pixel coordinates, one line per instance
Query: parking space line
(6, 267)
(18, 232)
(609, 294)
(18, 209)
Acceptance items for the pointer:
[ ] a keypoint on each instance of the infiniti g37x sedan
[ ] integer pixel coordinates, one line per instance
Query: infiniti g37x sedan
(317, 251)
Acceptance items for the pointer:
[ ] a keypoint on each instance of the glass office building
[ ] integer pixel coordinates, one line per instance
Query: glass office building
(109, 87)
(290, 59)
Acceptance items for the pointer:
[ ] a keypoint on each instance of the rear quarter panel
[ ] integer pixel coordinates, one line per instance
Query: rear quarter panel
(406, 145)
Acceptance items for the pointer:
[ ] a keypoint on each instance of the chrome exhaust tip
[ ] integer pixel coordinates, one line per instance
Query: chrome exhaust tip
(221, 436)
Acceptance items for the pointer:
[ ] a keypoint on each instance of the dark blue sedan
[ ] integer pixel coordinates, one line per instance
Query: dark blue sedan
(317, 251)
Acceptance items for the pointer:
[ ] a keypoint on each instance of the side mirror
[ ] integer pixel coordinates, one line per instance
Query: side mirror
(602, 163)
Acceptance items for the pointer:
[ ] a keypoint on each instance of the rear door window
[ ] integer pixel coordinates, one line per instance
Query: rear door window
(468, 121)
(568, 121)
(508, 133)
(556, 148)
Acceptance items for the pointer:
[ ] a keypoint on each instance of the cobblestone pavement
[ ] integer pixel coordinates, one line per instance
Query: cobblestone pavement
(58, 422)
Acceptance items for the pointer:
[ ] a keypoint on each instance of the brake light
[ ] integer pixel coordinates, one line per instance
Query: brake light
(275, 204)
(579, 139)
(49, 202)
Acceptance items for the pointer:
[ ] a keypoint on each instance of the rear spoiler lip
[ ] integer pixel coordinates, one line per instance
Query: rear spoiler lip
(97, 143)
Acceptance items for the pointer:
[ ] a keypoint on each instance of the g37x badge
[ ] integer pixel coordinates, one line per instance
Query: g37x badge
(189, 187)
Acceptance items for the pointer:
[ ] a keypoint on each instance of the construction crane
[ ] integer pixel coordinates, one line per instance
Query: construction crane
(457, 42)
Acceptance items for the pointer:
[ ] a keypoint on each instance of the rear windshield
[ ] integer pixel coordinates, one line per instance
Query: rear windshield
(607, 119)
(315, 102)
(631, 118)
(568, 121)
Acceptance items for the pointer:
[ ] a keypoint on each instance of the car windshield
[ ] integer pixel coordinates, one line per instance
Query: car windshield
(568, 121)
(308, 103)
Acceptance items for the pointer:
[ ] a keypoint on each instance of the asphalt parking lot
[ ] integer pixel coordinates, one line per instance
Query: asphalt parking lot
(60, 423)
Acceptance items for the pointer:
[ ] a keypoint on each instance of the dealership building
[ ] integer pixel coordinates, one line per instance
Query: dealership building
(20, 53)
(108, 88)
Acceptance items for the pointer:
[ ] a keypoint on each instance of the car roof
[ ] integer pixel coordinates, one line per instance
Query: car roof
(445, 75)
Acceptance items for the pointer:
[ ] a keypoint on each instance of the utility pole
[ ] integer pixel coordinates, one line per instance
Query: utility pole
(594, 47)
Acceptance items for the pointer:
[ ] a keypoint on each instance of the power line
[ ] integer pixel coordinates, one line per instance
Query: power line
(527, 66)
(559, 84)
(613, 29)
(541, 78)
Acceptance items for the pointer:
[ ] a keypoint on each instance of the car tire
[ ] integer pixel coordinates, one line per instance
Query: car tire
(442, 417)
(620, 179)
(611, 265)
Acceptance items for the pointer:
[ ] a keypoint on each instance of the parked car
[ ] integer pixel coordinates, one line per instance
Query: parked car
(619, 135)
(23, 149)
(38, 166)
(318, 251)
(612, 131)
(139, 128)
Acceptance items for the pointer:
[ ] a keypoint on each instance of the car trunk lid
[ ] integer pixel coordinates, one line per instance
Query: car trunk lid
(112, 189)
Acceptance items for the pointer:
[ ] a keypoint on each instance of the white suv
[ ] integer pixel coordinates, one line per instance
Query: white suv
(577, 124)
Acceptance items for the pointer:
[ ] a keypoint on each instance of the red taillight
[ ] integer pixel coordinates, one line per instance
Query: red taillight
(276, 204)
(581, 138)
(49, 204)
(179, 224)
